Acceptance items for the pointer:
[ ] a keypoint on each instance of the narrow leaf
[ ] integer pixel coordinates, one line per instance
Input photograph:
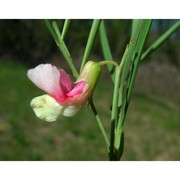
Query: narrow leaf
(105, 48)
(91, 38)
(161, 40)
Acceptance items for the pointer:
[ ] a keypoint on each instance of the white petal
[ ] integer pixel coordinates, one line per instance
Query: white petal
(46, 108)
(71, 110)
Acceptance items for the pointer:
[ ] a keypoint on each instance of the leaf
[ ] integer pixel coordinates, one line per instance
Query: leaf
(91, 38)
(106, 49)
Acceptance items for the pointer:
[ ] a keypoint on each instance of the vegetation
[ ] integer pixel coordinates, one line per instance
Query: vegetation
(151, 129)
(29, 41)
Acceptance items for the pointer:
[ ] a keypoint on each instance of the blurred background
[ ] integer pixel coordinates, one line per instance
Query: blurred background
(152, 127)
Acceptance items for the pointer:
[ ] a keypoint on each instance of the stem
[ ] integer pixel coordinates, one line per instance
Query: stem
(64, 50)
(51, 30)
(55, 32)
(119, 125)
(109, 62)
(116, 135)
(98, 119)
(130, 62)
(114, 113)
(65, 28)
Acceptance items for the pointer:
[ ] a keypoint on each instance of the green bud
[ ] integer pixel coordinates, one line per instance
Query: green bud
(90, 74)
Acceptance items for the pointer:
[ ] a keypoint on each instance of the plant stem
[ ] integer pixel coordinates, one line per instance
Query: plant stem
(143, 34)
(64, 50)
(55, 32)
(118, 125)
(98, 119)
(65, 28)
(108, 62)
(114, 113)
(51, 30)
(129, 63)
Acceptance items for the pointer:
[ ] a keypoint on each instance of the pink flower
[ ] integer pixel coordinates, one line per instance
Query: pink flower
(58, 85)
(62, 98)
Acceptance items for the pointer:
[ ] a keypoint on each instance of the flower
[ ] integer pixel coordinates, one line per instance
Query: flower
(62, 98)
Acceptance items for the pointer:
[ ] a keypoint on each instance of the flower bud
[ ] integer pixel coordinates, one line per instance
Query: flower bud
(90, 74)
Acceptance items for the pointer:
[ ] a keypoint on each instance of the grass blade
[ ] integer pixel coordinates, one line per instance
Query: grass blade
(91, 38)
(161, 40)
(105, 48)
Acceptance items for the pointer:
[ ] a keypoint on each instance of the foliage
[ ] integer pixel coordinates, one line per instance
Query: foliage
(123, 75)
(29, 40)
(151, 131)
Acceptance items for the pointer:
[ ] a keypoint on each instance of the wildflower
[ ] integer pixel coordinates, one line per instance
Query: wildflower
(62, 98)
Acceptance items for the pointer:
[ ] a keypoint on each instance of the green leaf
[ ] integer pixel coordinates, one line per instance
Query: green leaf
(91, 38)
(105, 48)
(161, 40)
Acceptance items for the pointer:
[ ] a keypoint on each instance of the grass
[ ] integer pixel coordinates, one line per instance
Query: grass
(151, 128)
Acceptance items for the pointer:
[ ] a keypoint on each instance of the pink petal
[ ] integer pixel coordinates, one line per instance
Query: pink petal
(52, 80)
(65, 82)
(78, 96)
(78, 89)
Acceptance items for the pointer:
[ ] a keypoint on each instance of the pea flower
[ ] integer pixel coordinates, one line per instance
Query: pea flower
(62, 97)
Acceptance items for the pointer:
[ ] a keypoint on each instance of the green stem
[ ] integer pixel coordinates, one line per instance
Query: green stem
(130, 64)
(114, 135)
(90, 41)
(98, 119)
(108, 62)
(51, 30)
(119, 125)
(143, 34)
(55, 32)
(139, 34)
(114, 113)
(160, 40)
(65, 28)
